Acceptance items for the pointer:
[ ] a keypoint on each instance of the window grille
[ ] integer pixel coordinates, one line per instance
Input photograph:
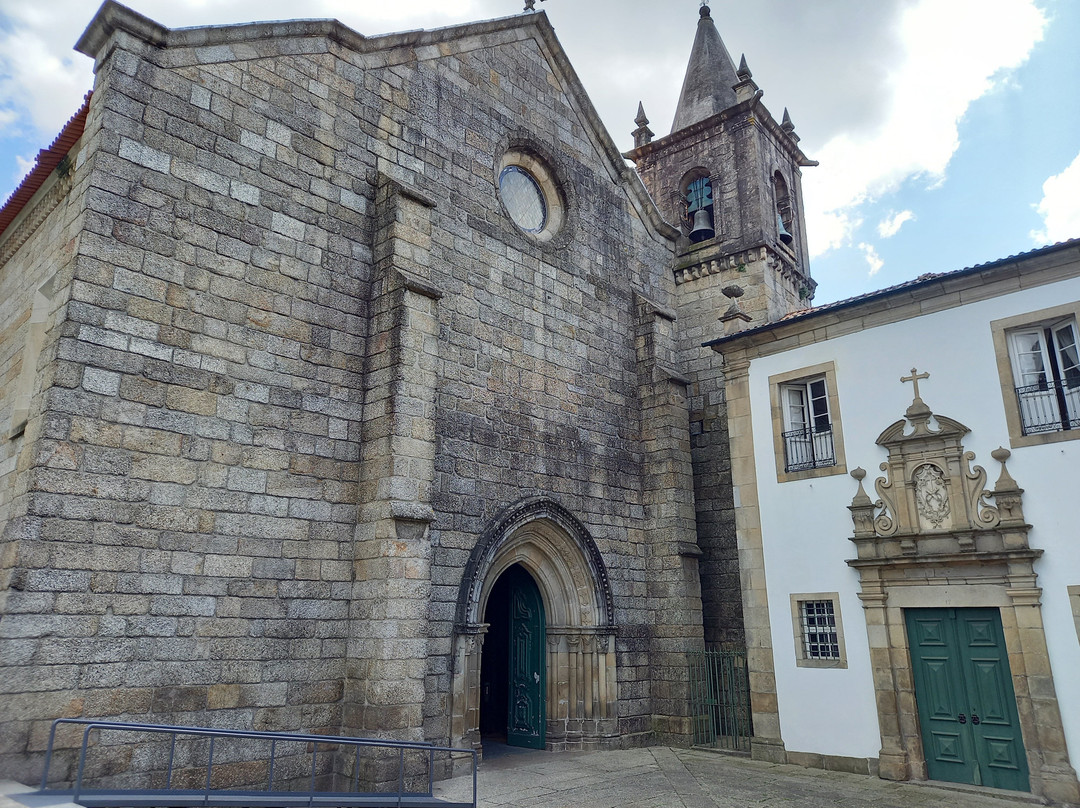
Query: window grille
(819, 629)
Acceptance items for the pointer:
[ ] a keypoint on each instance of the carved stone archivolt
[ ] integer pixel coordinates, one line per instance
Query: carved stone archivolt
(561, 556)
(932, 538)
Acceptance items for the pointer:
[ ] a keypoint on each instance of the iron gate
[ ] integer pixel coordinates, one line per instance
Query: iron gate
(720, 699)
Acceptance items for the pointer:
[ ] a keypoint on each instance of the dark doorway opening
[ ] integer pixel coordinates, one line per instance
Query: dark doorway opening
(512, 664)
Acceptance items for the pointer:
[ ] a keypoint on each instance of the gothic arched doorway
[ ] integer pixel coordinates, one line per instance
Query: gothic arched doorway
(536, 546)
(513, 669)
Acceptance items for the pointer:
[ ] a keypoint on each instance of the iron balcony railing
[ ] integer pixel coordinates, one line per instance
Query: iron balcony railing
(808, 449)
(1051, 406)
(411, 786)
(720, 699)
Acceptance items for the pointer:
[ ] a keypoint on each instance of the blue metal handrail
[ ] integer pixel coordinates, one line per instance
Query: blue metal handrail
(274, 738)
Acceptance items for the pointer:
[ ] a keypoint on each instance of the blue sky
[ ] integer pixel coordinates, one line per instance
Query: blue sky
(945, 118)
(1011, 140)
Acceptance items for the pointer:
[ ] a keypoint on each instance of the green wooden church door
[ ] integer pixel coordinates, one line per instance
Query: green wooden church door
(527, 711)
(964, 693)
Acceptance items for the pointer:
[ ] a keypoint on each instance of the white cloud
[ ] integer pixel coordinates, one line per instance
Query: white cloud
(890, 225)
(1060, 206)
(42, 86)
(872, 258)
(954, 53)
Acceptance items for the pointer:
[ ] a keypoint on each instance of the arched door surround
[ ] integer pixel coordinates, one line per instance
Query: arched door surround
(561, 556)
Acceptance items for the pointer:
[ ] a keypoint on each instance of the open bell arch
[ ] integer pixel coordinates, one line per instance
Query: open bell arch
(559, 553)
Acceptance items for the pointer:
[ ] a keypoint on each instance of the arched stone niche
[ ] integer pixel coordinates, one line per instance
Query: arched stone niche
(557, 550)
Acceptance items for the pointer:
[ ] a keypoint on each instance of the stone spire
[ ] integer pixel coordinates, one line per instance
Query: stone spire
(643, 135)
(710, 76)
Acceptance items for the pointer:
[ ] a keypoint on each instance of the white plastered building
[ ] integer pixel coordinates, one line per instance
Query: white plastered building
(905, 467)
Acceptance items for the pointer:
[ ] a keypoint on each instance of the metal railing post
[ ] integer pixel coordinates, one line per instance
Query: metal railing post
(474, 767)
(82, 762)
(209, 770)
(273, 751)
(48, 755)
(401, 775)
(172, 753)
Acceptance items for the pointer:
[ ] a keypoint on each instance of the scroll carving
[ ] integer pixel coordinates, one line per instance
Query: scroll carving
(933, 499)
(885, 524)
(983, 514)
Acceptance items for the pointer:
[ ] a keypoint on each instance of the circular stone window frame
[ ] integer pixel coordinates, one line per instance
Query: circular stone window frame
(551, 191)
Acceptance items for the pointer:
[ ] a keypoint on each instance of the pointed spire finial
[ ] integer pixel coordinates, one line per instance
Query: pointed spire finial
(643, 134)
(744, 69)
(710, 76)
(786, 123)
(641, 120)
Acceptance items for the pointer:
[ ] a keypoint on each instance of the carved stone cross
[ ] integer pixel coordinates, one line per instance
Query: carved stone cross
(914, 379)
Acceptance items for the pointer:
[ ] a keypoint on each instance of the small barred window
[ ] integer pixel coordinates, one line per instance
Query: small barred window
(819, 629)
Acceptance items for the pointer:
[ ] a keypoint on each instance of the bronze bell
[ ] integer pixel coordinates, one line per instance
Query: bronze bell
(785, 236)
(703, 227)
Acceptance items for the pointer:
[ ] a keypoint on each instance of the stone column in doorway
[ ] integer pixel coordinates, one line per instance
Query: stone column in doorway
(387, 653)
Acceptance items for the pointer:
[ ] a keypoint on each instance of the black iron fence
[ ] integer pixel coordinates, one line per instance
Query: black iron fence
(720, 699)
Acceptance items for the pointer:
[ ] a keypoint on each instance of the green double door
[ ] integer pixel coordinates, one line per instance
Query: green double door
(964, 692)
(526, 719)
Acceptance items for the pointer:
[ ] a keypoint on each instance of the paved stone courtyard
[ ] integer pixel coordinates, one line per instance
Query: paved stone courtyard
(661, 777)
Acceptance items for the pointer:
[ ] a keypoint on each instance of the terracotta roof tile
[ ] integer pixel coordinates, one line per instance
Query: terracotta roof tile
(47, 161)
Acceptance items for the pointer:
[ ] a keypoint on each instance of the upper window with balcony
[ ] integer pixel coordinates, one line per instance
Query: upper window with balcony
(808, 432)
(1039, 366)
(1046, 373)
(806, 423)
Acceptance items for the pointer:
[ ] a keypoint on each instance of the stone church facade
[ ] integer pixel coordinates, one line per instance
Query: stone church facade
(314, 343)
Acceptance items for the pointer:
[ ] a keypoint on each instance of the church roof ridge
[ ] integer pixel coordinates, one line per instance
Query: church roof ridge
(708, 86)
(113, 16)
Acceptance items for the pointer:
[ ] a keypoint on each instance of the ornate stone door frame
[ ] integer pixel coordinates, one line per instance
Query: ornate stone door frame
(932, 540)
(559, 553)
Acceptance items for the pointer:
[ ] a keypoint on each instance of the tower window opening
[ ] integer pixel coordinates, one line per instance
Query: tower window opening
(785, 213)
(699, 210)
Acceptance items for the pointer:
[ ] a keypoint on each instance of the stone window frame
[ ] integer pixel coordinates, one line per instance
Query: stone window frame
(550, 189)
(999, 330)
(802, 660)
(806, 374)
(1074, 601)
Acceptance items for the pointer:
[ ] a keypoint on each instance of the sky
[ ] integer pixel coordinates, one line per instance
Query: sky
(947, 131)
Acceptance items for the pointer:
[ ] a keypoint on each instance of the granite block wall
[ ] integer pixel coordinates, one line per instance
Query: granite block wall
(306, 360)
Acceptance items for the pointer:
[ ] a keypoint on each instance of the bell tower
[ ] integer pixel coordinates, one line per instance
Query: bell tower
(728, 176)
